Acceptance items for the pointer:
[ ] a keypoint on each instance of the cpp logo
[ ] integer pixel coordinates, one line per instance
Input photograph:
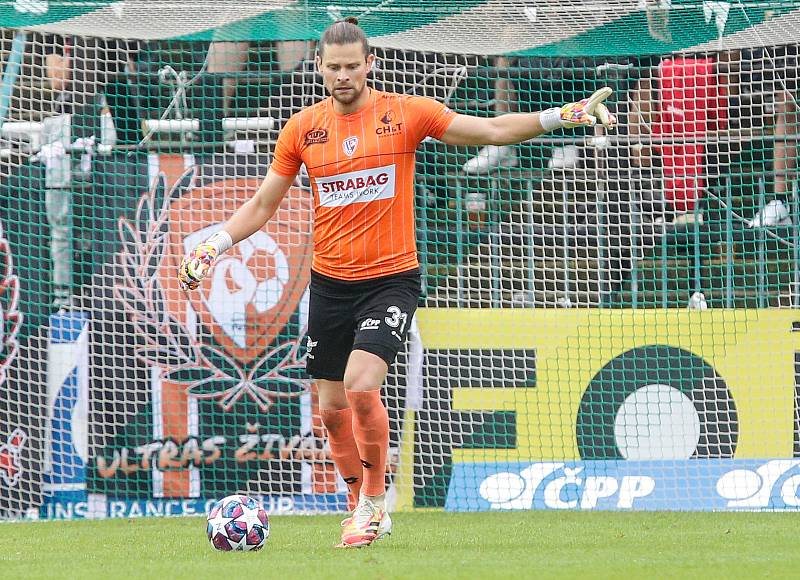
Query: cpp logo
(774, 485)
(558, 486)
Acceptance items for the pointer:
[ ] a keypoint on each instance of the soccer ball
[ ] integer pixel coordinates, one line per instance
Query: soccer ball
(237, 522)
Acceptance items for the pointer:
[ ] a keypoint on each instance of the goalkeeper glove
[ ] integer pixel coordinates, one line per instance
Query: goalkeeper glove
(197, 263)
(584, 113)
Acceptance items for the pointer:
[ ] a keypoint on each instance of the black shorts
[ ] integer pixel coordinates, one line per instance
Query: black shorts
(370, 315)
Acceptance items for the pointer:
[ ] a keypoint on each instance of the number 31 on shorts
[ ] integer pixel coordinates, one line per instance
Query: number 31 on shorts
(397, 318)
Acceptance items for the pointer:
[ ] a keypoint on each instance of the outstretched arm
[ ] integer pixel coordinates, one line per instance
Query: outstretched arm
(248, 219)
(501, 130)
(517, 127)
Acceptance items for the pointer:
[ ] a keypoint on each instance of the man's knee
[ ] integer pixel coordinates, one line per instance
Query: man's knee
(363, 381)
(331, 395)
(365, 371)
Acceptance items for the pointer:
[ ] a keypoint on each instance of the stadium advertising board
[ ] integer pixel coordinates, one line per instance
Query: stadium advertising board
(706, 484)
(100, 506)
(679, 394)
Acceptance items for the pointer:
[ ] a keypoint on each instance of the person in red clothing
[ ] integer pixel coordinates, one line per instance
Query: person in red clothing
(358, 146)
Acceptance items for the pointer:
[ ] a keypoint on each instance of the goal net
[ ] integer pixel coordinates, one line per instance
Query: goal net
(608, 319)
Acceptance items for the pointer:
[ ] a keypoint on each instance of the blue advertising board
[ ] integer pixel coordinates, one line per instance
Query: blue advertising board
(696, 485)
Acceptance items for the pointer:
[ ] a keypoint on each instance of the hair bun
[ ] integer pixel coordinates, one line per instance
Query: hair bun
(351, 20)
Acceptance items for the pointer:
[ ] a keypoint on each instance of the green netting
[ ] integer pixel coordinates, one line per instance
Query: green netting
(607, 319)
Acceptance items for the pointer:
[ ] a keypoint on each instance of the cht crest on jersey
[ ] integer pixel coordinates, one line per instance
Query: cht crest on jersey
(349, 145)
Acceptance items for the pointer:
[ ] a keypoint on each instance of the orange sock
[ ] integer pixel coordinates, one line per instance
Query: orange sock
(339, 424)
(371, 429)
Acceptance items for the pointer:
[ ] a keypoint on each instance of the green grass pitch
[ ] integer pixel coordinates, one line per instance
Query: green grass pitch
(425, 545)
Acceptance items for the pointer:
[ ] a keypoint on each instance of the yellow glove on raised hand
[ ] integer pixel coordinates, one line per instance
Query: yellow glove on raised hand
(584, 113)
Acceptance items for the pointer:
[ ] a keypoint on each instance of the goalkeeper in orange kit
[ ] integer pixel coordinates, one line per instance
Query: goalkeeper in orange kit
(359, 146)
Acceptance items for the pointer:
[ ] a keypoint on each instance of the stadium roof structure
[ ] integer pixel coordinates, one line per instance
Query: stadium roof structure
(522, 27)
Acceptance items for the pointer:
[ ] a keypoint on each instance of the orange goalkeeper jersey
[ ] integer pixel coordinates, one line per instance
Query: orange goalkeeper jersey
(361, 167)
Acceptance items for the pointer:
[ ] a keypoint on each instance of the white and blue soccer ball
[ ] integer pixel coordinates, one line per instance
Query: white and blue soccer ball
(237, 522)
